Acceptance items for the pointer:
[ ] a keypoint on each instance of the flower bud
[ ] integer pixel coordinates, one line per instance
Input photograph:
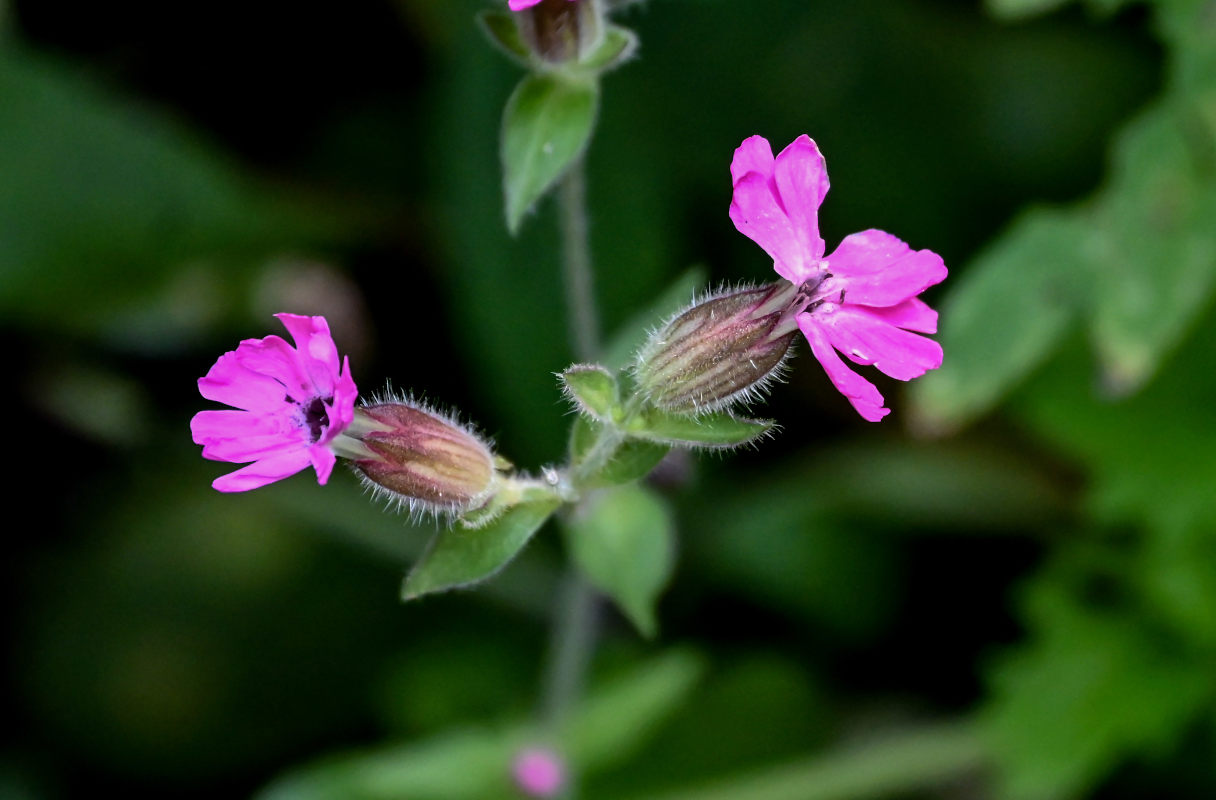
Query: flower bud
(539, 772)
(560, 31)
(422, 458)
(722, 349)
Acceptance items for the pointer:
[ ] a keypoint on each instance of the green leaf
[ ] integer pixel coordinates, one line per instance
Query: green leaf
(594, 390)
(1005, 316)
(633, 459)
(893, 764)
(103, 201)
(618, 718)
(623, 540)
(617, 46)
(1157, 249)
(717, 430)
(1022, 9)
(500, 28)
(1093, 688)
(545, 128)
(459, 556)
(614, 722)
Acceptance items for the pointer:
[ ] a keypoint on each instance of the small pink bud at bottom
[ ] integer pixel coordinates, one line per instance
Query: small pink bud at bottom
(423, 458)
(539, 772)
(722, 349)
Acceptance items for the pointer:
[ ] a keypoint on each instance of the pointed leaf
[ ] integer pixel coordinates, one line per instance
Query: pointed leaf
(593, 389)
(623, 541)
(617, 46)
(500, 28)
(716, 430)
(546, 126)
(460, 556)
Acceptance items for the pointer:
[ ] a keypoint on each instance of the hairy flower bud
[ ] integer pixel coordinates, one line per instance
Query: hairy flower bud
(422, 458)
(560, 31)
(722, 349)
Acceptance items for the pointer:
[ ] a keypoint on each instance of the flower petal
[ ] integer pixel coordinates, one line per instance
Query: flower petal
(275, 358)
(864, 396)
(341, 412)
(323, 460)
(319, 354)
(878, 269)
(912, 314)
(867, 339)
(241, 436)
(231, 383)
(756, 214)
(754, 155)
(268, 470)
(801, 178)
(215, 426)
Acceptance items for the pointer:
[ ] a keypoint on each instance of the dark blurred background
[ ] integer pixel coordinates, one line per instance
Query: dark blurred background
(171, 175)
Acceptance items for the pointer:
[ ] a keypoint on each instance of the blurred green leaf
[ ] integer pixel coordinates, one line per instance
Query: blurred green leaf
(719, 429)
(1092, 688)
(617, 719)
(545, 129)
(1157, 252)
(632, 335)
(611, 724)
(623, 540)
(460, 556)
(593, 390)
(1020, 9)
(1005, 316)
(887, 765)
(102, 200)
(502, 32)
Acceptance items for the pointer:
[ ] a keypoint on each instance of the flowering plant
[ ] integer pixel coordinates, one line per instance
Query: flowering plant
(292, 402)
(862, 300)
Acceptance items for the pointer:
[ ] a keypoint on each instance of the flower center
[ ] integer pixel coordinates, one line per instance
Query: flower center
(316, 417)
(818, 290)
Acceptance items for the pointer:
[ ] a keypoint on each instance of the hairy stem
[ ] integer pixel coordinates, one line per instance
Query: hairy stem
(576, 613)
(582, 316)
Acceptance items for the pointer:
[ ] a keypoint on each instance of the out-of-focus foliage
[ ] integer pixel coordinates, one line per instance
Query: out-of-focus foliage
(1022, 607)
(1116, 666)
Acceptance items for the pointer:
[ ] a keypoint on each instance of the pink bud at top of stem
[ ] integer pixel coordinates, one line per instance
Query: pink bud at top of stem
(559, 31)
(422, 458)
(723, 349)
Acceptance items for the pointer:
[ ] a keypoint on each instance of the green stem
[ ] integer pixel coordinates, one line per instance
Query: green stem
(582, 317)
(574, 627)
(576, 614)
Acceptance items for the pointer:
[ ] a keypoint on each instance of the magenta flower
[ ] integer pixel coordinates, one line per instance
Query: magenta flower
(520, 5)
(539, 772)
(862, 299)
(293, 401)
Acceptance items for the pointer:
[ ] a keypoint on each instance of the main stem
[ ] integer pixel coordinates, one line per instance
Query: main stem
(582, 316)
(576, 613)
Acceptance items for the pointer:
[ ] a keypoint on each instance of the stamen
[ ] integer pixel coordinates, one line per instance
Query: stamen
(316, 417)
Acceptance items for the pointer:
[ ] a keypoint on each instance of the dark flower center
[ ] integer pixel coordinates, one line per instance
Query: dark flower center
(316, 417)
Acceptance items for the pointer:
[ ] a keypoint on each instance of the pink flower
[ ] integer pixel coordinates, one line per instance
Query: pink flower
(520, 5)
(862, 299)
(293, 401)
(539, 772)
